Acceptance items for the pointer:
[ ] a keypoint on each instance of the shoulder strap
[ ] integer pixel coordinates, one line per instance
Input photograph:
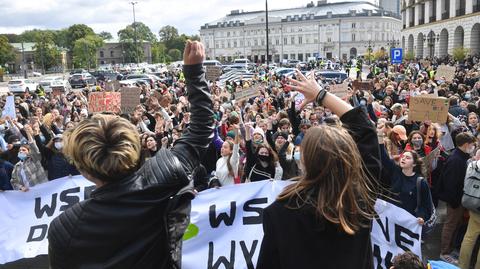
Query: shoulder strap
(419, 182)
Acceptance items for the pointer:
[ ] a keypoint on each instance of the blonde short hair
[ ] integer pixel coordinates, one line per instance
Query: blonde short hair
(105, 147)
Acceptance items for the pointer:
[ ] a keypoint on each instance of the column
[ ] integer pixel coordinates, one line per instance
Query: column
(428, 5)
(440, 3)
(407, 17)
(453, 8)
(468, 6)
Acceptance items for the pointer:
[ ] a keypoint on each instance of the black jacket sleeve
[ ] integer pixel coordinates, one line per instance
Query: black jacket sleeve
(190, 148)
(365, 135)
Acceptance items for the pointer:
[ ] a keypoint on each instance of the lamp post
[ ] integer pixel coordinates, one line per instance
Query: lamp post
(266, 30)
(135, 30)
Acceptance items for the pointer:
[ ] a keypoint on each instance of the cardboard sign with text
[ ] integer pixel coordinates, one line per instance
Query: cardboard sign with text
(130, 99)
(213, 73)
(99, 102)
(112, 86)
(445, 71)
(340, 90)
(247, 94)
(427, 107)
(366, 85)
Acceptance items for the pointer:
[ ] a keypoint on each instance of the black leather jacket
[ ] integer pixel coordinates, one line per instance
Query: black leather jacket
(139, 222)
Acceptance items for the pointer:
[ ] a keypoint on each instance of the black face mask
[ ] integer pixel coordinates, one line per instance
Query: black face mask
(264, 158)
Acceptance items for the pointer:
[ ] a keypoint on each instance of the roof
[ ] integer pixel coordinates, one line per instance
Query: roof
(318, 11)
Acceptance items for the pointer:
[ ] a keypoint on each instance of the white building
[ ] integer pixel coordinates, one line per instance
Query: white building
(329, 30)
(436, 27)
(390, 5)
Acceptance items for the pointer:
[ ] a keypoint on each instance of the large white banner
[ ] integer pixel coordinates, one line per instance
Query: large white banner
(25, 216)
(225, 231)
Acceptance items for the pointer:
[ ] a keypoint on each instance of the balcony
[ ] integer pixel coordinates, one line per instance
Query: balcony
(460, 12)
(445, 15)
(433, 18)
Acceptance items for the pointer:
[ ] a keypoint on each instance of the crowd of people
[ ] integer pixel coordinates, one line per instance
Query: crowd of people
(413, 164)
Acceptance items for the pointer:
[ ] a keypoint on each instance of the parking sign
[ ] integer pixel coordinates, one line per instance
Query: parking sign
(396, 55)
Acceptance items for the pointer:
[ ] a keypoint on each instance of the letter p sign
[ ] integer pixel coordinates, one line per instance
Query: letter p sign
(396, 55)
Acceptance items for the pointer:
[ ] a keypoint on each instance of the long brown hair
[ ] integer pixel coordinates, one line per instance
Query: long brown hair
(333, 170)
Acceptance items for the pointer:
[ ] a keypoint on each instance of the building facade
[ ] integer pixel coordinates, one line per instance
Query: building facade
(436, 27)
(25, 55)
(390, 5)
(327, 30)
(113, 52)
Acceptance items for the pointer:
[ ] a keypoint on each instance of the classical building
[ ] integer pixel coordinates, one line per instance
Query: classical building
(26, 52)
(113, 52)
(328, 30)
(436, 27)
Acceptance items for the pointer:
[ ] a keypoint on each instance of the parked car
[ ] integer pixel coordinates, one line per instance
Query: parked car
(151, 81)
(279, 72)
(132, 83)
(61, 84)
(78, 71)
(82, 80)
(212, 63)
(22, 86)
(332, 75)
(102, 75)
(46, 83)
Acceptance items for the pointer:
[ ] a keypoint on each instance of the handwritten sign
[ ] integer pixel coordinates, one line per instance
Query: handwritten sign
(247, 94)
(445, 71)
(130, 99)
(9, 108)
(427, 107)
(340, 90)
(213, 73)
(112, 86)
(362, 85)
(104, 102)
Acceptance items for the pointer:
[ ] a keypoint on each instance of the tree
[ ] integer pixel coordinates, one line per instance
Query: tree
(168, 33)
(13, 38)
(85, 50)
(105, 35)
(60, 38)
(76, 32)
(410, 56)
(46, 53)
(158, 52)
(175, 54)
(7, 52)
(459, 53)
(134, 52)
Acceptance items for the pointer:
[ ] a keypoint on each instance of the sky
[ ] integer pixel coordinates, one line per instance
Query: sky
(112, 15)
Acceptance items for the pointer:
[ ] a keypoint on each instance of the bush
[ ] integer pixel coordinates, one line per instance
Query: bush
(410, 56)
(460, 53)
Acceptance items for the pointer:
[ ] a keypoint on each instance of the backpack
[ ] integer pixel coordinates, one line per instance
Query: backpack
(429, 224)
(471, 188)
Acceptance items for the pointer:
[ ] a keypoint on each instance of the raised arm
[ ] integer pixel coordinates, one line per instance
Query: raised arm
(199, 133)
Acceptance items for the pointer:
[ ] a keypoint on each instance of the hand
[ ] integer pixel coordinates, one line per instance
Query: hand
(420, 221)
(164, 141)
(308, 87)
(23, 189)
(194, 53)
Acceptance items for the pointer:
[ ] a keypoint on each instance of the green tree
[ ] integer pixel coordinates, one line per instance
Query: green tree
(32, 35)
(134, 52)
(459, 53)
(60, 38)
(85, 50)
(7, 52)
(76, 32)
(168, 33)
(410, 55)
(159, 51)
(175, 54)
(46, 53)
(13, 38)
(105, 35)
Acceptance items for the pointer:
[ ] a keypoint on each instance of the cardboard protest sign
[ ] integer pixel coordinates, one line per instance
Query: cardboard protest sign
(130, 99)
(112, 86)
(247, 94)
(213, 72)
(445, 71)
(340, 90)
(9, 108)
(428, 107)
(104, 102)
(366, 85)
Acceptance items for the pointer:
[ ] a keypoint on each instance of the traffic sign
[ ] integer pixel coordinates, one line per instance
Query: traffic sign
(396, 55)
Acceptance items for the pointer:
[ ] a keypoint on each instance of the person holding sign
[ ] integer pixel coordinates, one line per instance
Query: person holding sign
(326, 215)
(137, 215)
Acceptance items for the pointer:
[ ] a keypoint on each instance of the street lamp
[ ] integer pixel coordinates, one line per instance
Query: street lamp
(135, 30)
(369, 49)
(266, 29)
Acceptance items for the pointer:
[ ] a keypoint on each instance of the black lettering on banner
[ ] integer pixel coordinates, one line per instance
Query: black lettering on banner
(46, 208)
(247, 207)
(88, 190)
(227, 219)
(43, 232)
(249, 254)
(222, 259)
(384, 228)
(70, 200)
(377, 254)
(399, 239)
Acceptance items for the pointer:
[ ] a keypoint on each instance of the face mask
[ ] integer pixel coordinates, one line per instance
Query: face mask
(296, 155)
(58, 145)
(258, 142)
(264, 158)
(22, 156)
(147, 122)
(468, 96)
(417, 143)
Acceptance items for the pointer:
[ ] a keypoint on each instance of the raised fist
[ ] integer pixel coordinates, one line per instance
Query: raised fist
(194, 53)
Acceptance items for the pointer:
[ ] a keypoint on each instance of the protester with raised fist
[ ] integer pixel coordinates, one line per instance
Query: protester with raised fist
(137, 215)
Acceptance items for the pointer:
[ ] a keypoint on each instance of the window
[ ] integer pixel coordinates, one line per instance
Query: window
(228, 34)
(285, 41)
(111, 54)
(256, 42)
(101, 54)
(354, 25)
(217, 45)
(263, 42)
(329, 39)
(300, 40)
(353, 37)
(234, 44)
(293, 40)
(277, 42)
(228, 44)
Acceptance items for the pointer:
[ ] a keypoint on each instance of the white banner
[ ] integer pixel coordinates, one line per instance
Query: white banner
(226, 225)
(225, 231)
(394, 232)
(25, 216)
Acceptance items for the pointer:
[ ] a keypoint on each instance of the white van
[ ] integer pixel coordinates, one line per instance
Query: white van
(241, 61)
(211, 63)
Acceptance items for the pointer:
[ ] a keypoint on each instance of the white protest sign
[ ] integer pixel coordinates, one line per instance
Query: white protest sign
(226, 225)
(394, 232)
(9, 108)
(25, 216)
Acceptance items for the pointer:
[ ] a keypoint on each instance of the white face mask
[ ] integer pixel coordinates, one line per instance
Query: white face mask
(58, 145)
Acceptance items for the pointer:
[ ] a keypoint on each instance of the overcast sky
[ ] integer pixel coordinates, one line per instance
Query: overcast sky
(113, 15)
